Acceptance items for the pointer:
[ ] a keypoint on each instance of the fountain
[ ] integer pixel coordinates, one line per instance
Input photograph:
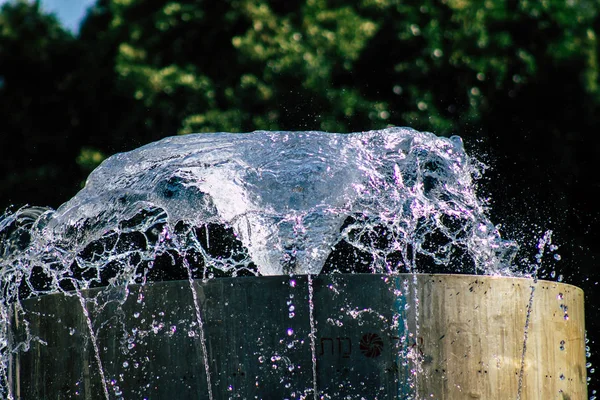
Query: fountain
(281, 265)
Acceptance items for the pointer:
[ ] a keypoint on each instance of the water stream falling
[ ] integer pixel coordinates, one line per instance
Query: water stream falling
(256, 204)
(312, 336)
(92, 336)
(202, 337)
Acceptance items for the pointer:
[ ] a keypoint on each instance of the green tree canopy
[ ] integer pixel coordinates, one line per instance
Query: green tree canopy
(339, 65)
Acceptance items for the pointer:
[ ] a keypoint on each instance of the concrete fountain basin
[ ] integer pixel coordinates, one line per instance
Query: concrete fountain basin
(325, 336)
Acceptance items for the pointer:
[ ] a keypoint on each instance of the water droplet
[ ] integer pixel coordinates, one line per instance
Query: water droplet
(290, 332)
(191, 333)
(136, 315)
(125, 364)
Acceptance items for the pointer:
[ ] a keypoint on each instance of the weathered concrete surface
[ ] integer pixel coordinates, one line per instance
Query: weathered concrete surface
(375, 336)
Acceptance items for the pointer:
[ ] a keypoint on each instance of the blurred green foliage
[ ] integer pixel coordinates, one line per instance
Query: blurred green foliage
(340, 65)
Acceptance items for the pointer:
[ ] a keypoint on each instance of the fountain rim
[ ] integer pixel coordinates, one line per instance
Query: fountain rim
(522, 279)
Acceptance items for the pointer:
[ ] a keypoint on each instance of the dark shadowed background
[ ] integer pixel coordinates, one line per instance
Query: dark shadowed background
(517, 80)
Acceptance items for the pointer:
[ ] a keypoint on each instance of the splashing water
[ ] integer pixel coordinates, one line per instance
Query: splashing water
(281, 200)
(261, 203)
